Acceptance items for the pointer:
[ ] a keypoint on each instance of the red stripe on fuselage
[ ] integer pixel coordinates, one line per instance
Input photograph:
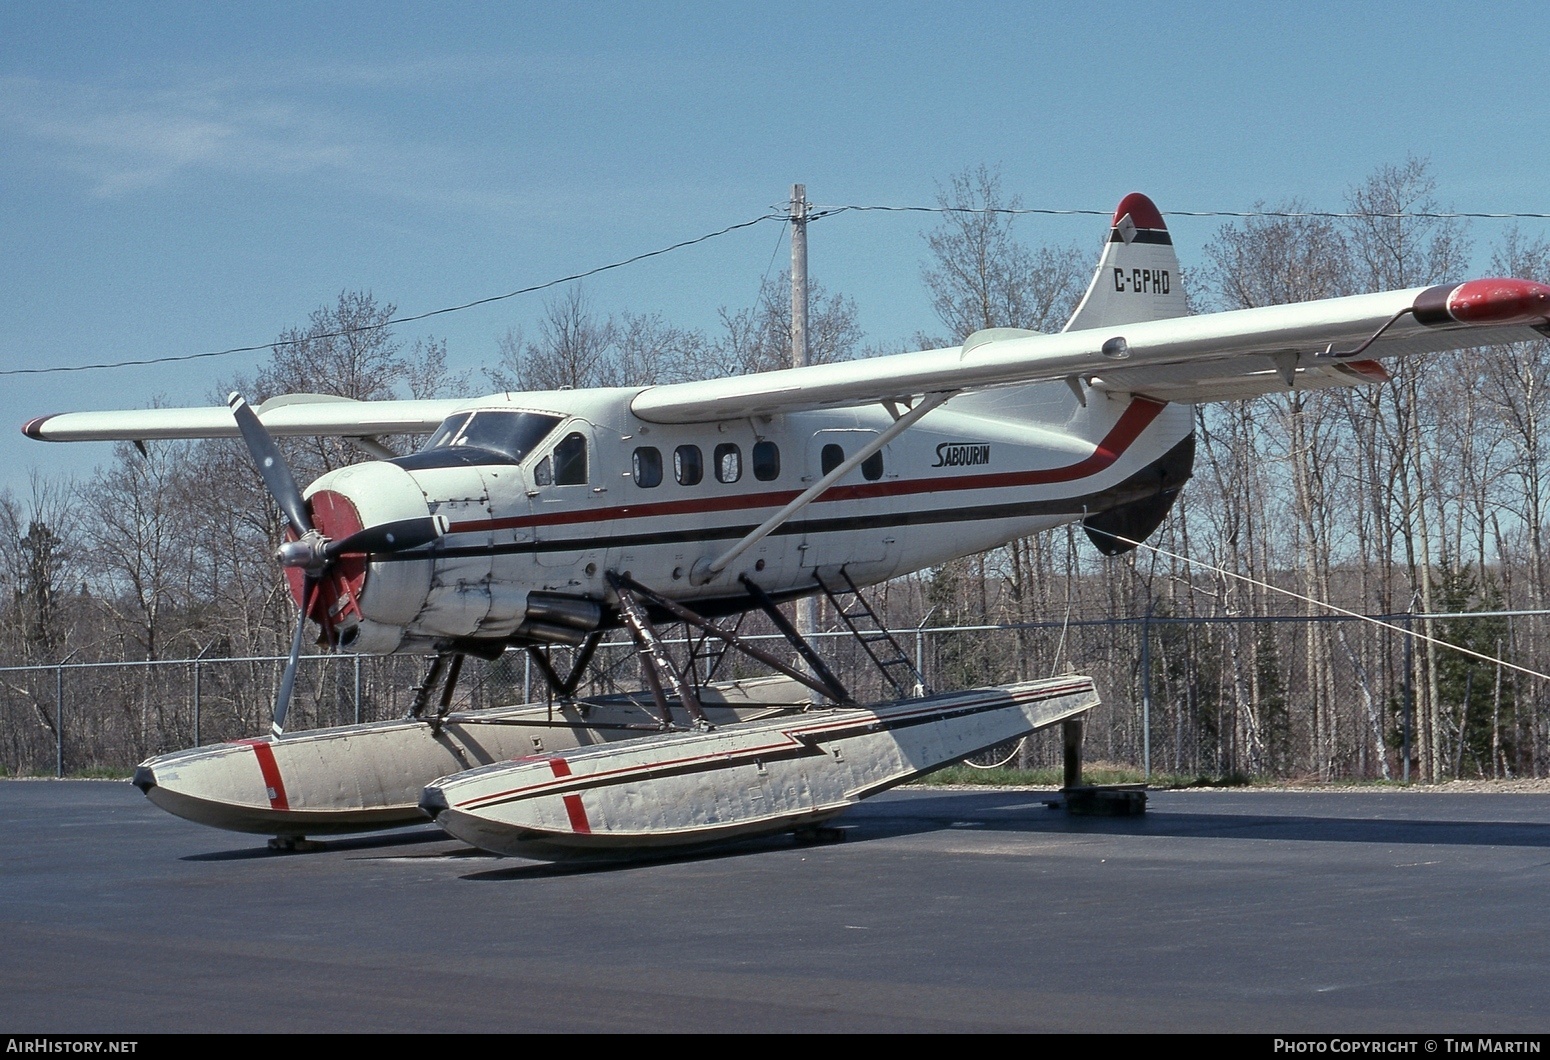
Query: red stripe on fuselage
(270, 770)
(1135, 419)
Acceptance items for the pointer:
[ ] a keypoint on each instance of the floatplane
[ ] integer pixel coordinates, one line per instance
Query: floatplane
(530, 520)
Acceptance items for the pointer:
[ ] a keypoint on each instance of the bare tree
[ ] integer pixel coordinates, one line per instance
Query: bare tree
(576, 348)
(1395, 245)
(758, 338)
(140, 548)
(1276, 260)
(979, 275)
(425, 373)
(1517, 388)
(346, 349)
(40, 561)
(650, 350)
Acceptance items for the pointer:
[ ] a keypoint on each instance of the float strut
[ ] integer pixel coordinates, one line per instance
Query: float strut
(565, 688)
(422, 691)
(656, 665)
(833, 688)
(447, 689)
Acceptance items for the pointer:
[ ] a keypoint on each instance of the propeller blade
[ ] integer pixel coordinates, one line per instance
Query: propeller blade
(399, 536)
(282, 701)
(271, 465)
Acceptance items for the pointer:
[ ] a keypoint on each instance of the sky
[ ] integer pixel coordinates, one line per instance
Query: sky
(185, 178)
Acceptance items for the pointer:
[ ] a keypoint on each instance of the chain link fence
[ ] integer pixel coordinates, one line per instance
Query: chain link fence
(1330, 698)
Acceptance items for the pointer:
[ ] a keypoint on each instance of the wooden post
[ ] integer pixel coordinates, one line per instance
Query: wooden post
(807, 606)
(1071, 738)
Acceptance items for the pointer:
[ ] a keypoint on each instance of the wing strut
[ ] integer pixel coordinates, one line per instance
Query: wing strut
(700, 575)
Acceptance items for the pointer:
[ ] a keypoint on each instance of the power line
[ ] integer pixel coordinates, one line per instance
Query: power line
(1430, 215)
(827, 211)
(395, 320)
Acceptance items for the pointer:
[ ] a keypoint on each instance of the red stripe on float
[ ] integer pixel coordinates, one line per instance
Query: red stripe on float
(578, 815)
(270, 770)
(573, 808)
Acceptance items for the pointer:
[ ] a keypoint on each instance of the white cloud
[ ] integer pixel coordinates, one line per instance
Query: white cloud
(122, 139)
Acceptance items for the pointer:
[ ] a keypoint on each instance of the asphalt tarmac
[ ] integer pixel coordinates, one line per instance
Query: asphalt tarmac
(942, 911)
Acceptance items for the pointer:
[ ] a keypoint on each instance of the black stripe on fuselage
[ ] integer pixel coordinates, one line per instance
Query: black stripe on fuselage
(1144, 483)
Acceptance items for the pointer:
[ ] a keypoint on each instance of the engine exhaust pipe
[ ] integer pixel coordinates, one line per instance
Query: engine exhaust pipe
(571, 612)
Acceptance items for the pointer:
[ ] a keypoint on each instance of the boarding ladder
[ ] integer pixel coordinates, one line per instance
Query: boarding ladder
(895, 666)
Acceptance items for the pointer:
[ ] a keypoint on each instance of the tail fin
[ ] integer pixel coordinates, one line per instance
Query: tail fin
(1138, 276)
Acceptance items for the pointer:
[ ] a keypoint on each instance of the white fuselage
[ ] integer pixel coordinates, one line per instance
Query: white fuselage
(655, 501)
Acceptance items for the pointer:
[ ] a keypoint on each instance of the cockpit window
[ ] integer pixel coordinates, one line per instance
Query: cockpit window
(446, 432)
(570, 461)
(492, 436)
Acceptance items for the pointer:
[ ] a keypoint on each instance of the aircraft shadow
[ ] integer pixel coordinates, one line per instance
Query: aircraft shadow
(1019, 812)
(1025, 813)
(371, 841)
(586, 864)
(1016, 812)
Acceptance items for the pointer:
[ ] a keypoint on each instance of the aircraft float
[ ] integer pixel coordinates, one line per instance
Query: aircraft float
(529, 520)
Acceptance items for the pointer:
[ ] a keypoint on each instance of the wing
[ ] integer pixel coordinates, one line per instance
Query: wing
(291, 414)
(1130, 335)
(1334, 342)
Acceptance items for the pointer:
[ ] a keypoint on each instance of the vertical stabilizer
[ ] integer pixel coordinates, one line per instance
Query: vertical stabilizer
(1138, 276)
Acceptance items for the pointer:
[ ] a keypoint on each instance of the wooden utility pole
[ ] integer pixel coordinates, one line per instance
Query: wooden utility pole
(807, 607)
(798, 275)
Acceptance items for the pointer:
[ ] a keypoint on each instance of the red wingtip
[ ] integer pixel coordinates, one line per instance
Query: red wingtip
(33, 428)
(1500, 301)
(1143, 212)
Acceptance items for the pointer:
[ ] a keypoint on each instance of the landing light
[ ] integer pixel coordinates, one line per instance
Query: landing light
(1116, 348)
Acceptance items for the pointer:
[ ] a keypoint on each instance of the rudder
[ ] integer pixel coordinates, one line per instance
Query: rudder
(1138, 276)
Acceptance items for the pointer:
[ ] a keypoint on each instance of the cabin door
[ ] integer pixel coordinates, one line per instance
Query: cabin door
(571, 506)
(848, 525)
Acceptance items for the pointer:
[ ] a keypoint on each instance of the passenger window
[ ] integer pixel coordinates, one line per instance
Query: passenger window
(543, 474)
(766, 461)
(729, 462)
(688, 465)
(872, 467)
(833, 457)
(570, 461)
(647, 464)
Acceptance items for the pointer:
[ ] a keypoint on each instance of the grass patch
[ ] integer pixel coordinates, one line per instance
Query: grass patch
(89, 773)
(102, 773)
(1231, 780)
(1051, 777)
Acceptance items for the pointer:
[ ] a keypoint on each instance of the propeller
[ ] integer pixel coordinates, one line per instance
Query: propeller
(311, 551)
(272, 467)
